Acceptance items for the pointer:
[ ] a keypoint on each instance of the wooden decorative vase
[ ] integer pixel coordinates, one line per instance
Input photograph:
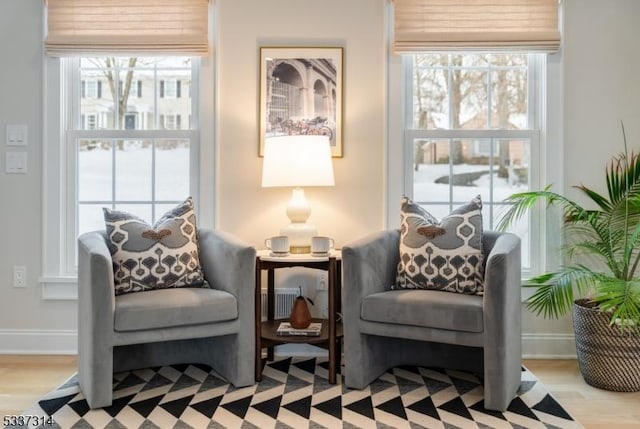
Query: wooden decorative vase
(300, 317)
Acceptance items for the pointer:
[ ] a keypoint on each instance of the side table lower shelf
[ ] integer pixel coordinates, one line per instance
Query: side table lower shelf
(266, 331)
(270, 338)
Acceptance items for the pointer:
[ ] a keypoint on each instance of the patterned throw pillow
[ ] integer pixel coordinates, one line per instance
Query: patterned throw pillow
(444, 255)
(147, 257)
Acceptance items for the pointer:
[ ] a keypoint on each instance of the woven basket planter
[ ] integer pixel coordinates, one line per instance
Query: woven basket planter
(608, 358)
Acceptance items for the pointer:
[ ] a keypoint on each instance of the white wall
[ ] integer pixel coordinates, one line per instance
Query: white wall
(355, 205)
(600, 86)
(26, 321)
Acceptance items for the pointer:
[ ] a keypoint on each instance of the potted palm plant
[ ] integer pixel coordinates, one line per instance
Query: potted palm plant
(605, 300)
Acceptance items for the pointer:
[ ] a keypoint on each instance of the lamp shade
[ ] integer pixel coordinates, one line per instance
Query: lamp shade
(297, 161)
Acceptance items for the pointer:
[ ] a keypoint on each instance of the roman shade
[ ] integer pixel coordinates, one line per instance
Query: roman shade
(130, 27)
(468, 25)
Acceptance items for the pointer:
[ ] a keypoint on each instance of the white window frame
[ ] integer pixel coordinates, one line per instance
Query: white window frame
(59, 274)
(74, 133)
(550, 108)
(535, 77)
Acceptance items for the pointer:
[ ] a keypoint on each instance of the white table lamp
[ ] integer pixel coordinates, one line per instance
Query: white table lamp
(297, 161)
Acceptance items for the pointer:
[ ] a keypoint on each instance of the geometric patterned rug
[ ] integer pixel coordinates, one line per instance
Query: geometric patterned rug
(294, 393)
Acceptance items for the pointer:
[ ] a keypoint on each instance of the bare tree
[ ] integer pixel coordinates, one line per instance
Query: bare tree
(466, 83)
(119, 93)
(510, 94)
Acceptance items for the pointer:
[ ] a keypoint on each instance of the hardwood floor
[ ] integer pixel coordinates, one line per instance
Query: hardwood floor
(24, 379)
(594, 408)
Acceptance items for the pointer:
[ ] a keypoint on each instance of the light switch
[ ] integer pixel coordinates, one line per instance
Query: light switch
(16, 162)
(16, 135)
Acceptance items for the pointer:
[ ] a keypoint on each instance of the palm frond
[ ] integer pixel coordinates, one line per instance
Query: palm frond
(623, 179)
(622, 299)
(601, 251)
(632, 254)
(555, 291)
(521, 203)
(600, 200)
(609, 231)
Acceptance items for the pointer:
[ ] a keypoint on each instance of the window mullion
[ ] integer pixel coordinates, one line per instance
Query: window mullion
(153, 180)
(491, 175)
(114, 197)
(156, 125)
(409, 140)
(115, 97)
(489, 95)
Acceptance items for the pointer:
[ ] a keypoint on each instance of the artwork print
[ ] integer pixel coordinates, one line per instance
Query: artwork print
(301, 94)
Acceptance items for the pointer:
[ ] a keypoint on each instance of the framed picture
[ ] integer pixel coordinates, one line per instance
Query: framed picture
(301, 93)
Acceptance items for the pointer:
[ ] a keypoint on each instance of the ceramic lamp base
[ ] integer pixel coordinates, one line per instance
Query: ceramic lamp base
(299, 234)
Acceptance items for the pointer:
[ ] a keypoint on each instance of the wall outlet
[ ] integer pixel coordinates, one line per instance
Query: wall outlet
(19, 276)
(322, 282)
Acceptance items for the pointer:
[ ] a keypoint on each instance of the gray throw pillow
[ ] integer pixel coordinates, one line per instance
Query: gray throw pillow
(445, 255)
(147, 257)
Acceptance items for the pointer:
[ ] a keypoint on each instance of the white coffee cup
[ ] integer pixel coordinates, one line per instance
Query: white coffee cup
(278, 244)
(321, 245)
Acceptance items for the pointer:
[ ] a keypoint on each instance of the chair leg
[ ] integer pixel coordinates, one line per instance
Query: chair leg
(232, 356)
(501, 380)
(96, 379)
(365, 359)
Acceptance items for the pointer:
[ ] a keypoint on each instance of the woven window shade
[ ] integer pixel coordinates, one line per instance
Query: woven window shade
(445, 25)
(141, 27)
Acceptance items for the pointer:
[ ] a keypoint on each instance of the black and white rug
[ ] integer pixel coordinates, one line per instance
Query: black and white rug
(295, 393)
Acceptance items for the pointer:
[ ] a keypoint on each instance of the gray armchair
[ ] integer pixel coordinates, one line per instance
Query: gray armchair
(385, 328)
(167, 326)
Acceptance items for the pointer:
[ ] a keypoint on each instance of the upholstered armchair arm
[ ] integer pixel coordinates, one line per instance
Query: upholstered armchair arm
(96, 291)
(369, 266)
(502, 318)
(502, 297)
(229, 264)
(96, 307)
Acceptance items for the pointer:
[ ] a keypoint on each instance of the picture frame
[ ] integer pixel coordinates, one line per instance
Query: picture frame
(301, 93)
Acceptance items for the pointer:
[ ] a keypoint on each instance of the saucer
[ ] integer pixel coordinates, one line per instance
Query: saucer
(278, 254)
(319, 254)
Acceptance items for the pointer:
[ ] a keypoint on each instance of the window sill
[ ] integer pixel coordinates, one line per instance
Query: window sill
(59, 288)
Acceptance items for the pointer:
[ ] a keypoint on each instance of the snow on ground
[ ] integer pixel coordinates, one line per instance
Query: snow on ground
(133, 183)
(426, 190)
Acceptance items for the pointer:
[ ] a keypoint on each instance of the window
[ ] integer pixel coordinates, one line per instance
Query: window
(89, 122)
(170, 88)
(105, 143)
(146, 172)
(170, 122)
(128, 146)
(91, 88)
(473, 127)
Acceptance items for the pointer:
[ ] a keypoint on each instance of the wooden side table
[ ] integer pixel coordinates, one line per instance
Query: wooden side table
(331, 334)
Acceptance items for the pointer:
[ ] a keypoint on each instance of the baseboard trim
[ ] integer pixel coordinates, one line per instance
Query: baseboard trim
(35, 342)
(548, 346)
